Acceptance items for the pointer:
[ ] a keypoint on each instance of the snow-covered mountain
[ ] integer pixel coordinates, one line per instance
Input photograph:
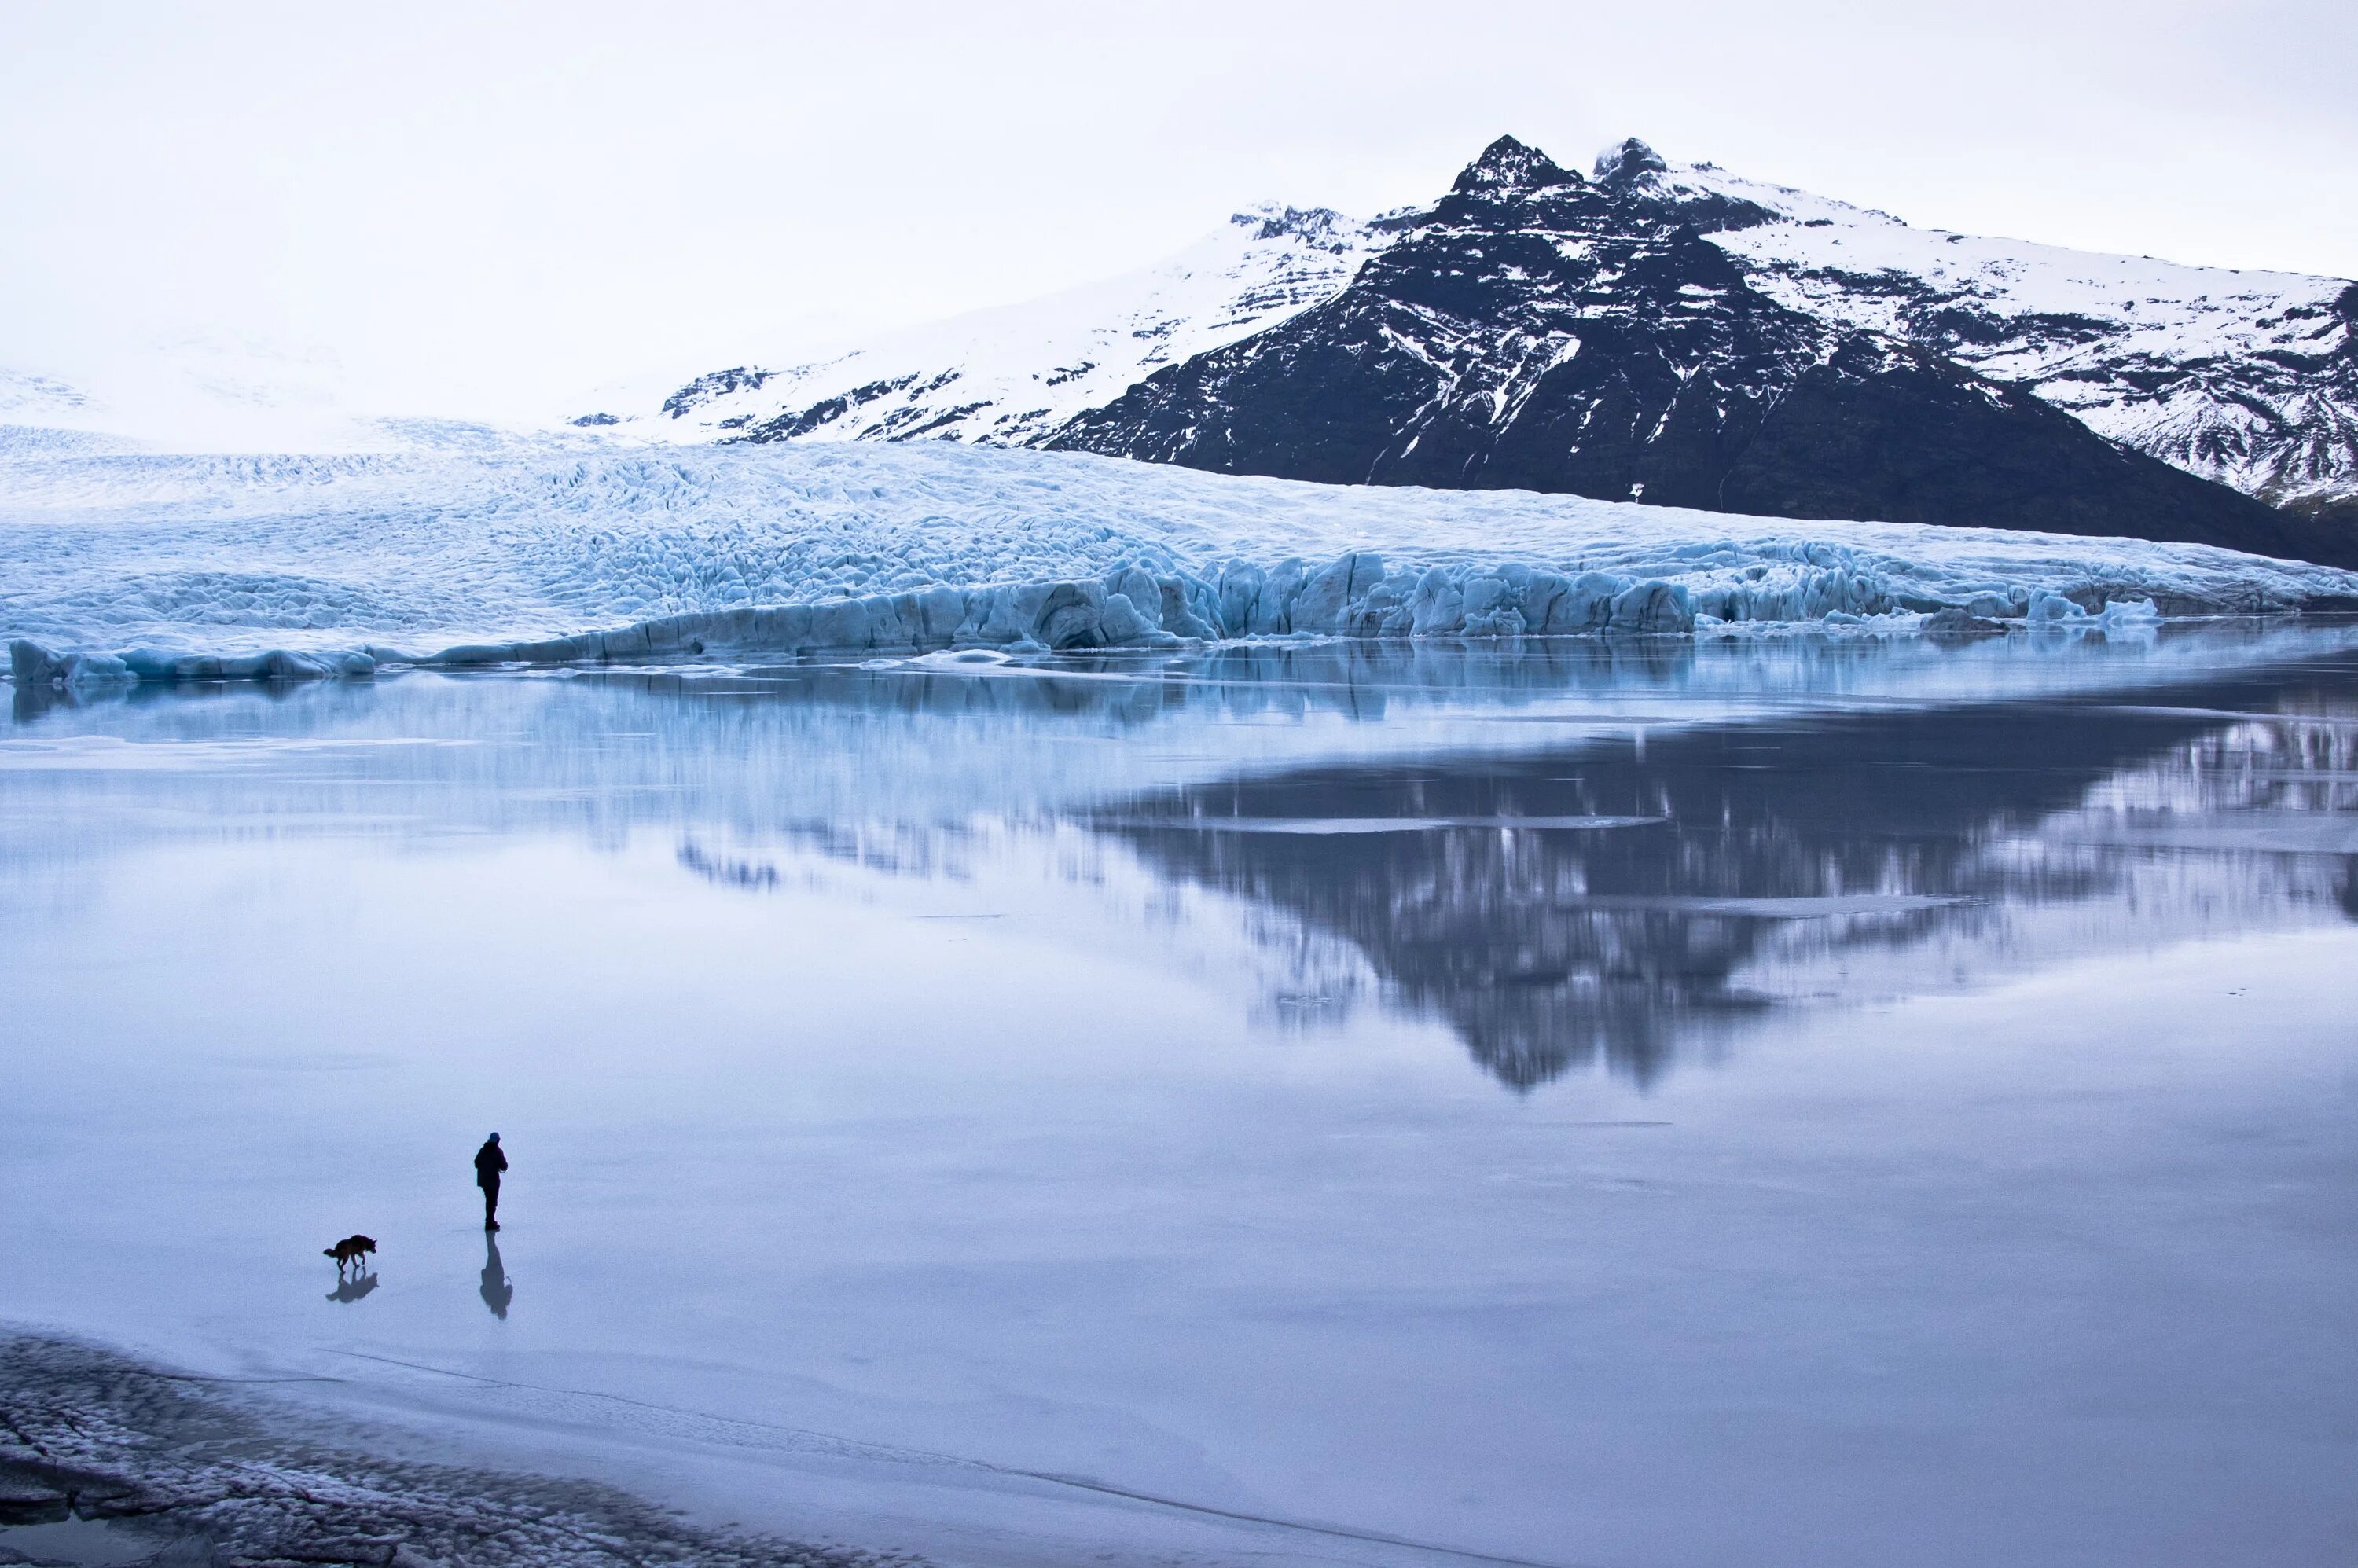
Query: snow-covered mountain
(198, 392)
(2248, 379)
(31, 399)
(1533, 330)
(1011, 377)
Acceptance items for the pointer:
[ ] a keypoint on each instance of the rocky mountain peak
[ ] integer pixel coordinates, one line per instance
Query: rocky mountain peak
(1539, 328)
(1275, 221)
(1534, 331)
(1626, 161)
(1507, 164)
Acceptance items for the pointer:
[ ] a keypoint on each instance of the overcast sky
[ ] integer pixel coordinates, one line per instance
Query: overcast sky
(483, 208)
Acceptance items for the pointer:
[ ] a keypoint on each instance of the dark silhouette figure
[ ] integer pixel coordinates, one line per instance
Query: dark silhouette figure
(498, 1290)
(351, 1253)
(353, 1288)
(489, 1162)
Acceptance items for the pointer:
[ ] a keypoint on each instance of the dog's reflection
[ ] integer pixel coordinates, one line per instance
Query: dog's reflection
(354, 1287)
(498, 1290)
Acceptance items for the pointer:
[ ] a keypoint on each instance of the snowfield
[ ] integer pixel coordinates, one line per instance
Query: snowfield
(1012, 375)
(161, 567)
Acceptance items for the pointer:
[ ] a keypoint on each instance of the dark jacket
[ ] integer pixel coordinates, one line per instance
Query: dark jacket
(490, 1160)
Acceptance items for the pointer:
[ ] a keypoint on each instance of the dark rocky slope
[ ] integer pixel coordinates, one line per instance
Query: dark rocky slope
(1536, 329)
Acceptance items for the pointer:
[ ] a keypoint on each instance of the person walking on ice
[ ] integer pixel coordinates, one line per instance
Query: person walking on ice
(489, 1162)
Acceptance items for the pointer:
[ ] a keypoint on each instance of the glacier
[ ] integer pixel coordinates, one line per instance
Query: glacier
(463, 547)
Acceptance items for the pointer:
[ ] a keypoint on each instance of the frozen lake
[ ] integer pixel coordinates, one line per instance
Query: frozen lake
(1780, 1103)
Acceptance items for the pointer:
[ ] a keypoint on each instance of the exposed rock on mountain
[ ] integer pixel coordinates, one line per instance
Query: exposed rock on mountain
(1538, 331)
(2250, 378)
(1664, 331)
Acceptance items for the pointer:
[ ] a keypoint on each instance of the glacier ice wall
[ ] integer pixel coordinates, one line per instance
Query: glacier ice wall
(1134, 606)
(125, 565)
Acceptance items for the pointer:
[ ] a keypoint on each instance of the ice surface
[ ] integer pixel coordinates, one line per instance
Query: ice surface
(923, 739)
(477, 550)
(910, 1100)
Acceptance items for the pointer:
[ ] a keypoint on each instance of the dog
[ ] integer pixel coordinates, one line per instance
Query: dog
(352, 1249)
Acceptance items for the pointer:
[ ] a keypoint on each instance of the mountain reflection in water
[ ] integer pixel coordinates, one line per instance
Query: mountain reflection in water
(1736, 867)
(1571, 854)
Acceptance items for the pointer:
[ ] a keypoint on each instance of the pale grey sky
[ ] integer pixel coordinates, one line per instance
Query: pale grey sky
(483, 208)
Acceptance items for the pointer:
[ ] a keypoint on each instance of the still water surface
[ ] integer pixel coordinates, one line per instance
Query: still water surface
(1805, 1103)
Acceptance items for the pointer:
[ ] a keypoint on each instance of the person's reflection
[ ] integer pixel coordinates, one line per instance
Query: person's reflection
(498, 1290)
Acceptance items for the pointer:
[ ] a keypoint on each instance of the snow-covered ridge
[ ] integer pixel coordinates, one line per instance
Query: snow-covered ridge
(1007, 376)
(193, 393)
(40, 401)
(170, 567)
(2249, 378)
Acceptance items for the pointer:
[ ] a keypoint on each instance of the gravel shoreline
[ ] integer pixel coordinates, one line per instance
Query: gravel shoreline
(187, 1472)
